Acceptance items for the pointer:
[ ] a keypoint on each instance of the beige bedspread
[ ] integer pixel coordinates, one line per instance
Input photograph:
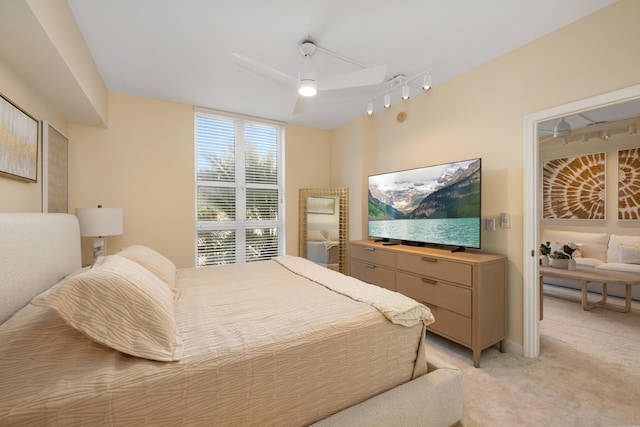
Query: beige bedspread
(263, 346)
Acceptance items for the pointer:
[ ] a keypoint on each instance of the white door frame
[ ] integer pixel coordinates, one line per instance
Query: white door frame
(533, 201)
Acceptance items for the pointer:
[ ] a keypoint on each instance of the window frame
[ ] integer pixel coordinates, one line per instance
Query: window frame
(241, 224)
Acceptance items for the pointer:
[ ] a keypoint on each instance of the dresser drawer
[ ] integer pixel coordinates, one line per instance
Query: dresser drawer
(372, 273)
(436, 268)
(451, 325)
(373, 255)
(434, 292)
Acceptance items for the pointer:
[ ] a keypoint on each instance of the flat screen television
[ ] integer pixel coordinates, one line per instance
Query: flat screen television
(431, 205)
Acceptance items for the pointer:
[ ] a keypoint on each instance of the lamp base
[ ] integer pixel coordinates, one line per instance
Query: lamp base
(99, 247)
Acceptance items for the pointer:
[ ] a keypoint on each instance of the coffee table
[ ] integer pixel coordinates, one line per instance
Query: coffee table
(586, 275)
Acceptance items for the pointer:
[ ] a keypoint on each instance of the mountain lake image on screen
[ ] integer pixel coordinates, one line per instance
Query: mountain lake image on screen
(435, 205)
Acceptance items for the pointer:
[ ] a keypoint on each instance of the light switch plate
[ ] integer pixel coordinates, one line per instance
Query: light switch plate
(505, 220)
(491, 224)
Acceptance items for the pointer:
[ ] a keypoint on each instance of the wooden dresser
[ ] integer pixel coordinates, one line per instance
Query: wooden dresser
(466, 291)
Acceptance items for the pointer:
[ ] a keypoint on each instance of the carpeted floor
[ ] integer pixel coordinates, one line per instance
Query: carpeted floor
(588, 373)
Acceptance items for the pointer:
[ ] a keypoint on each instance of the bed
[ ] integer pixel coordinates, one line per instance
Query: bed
(135, 341)
(323, 248)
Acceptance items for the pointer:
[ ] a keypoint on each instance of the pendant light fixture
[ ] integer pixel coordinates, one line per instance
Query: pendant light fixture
(562, 129)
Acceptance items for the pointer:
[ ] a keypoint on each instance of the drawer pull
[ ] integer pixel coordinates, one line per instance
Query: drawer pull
(370, 265)
(369, 249)
(429, 259)
(429, 281)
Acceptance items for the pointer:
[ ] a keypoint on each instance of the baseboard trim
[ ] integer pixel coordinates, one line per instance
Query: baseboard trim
(514, 347)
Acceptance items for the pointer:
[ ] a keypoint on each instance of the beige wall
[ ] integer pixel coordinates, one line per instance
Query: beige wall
(307, 161)
(144, 163)
(20, 196)
(480, 114)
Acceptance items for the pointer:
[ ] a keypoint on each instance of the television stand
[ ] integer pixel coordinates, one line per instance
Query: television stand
(412, 243)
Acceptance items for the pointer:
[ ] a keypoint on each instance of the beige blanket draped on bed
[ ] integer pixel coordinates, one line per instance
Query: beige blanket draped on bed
(263, 346)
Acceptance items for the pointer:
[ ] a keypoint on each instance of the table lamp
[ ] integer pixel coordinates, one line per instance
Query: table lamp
(98, 223)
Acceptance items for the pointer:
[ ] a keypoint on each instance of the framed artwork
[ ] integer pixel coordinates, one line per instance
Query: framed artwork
(574, 188)
(629, 184)
(321, 205)
(55, 159)
(18, 142)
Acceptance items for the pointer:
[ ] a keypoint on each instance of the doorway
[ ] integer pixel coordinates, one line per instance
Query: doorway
(533, 202)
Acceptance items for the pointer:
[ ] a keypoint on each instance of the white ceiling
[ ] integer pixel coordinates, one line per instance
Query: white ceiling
(180, 50)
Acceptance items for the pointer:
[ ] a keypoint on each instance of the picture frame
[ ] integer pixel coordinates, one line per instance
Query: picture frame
(55, 170)
(629, 184)
(321, 205)
(18, 142)
(574, 188)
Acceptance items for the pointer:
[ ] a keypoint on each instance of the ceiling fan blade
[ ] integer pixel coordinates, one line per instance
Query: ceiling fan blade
(365, 77)
(544, 139)
(265, 71)
(301, 104)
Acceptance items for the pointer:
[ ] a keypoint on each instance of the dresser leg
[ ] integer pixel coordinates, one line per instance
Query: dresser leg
(476, 358)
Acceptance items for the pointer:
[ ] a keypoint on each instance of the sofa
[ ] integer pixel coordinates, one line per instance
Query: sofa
(603, 251)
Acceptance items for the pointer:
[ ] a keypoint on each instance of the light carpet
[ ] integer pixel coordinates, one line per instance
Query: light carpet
(588, 372)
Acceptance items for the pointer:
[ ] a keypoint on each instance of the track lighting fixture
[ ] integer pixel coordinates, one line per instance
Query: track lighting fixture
(402, 84)
(603, 131)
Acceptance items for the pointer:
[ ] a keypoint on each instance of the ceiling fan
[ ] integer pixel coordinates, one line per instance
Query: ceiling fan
(307, 83)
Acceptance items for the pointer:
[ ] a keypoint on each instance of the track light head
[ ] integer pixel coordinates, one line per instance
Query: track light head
(405, 92)
(387, 101)
(370, 108)
(426, 82)
(605, 135)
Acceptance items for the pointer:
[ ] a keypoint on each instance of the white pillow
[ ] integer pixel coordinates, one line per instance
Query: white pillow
(334, 235)
(120, 304)
(629, 254)
(153, 261)
(613, 253)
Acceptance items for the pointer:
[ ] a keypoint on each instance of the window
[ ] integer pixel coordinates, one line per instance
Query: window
(239, 189)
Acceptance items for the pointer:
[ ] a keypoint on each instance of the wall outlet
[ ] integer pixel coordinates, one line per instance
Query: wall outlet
(491, 224)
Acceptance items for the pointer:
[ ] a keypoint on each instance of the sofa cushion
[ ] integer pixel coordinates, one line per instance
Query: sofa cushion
(629, 254)
(619, 266)
(592, 245)
(613, 253)
(588, 262)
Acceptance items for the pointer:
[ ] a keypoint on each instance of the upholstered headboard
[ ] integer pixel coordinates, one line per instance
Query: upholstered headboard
(36, 251)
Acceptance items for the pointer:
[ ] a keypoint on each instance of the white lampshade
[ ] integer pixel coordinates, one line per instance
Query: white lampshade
(96, 222)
